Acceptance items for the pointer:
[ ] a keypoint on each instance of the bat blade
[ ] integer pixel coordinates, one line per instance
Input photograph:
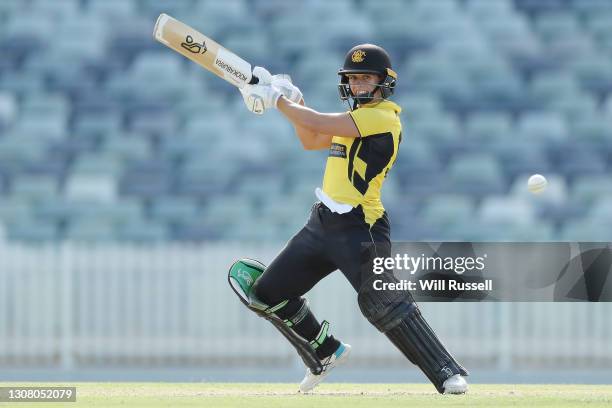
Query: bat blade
(202, 50)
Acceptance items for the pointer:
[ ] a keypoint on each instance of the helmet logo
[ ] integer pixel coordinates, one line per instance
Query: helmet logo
(358, 56)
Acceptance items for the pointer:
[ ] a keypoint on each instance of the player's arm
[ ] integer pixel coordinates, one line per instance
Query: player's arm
(337, 124)
(258, 98)
(310, 139)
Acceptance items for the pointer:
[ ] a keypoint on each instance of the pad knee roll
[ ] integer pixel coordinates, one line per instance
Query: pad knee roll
(242, 276)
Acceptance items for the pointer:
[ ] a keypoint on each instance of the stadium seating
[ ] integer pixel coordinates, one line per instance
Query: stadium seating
(105, 135)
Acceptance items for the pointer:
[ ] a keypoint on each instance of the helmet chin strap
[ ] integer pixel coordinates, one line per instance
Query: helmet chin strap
(364, 98)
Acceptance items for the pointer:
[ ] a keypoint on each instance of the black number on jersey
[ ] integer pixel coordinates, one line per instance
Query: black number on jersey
(376, 152)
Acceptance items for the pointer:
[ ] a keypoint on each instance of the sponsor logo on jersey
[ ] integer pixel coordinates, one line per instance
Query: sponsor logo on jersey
(337, 150)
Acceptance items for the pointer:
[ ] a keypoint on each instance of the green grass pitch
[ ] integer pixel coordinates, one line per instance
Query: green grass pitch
(326, 395)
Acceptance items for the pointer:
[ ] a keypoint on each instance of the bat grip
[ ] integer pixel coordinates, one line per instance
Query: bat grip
(254, 80)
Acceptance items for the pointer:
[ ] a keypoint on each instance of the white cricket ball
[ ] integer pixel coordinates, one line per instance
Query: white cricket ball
(537, 183)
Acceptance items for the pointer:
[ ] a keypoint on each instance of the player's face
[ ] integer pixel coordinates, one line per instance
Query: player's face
(363, 83)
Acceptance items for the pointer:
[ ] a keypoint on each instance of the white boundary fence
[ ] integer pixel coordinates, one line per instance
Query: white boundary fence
(74, 306)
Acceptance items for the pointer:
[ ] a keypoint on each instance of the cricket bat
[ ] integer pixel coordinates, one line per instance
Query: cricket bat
(203, 51)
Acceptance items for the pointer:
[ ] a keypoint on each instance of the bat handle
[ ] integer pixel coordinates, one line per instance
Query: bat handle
(254, 80)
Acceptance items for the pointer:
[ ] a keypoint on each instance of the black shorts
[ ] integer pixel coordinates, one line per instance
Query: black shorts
(328, 241)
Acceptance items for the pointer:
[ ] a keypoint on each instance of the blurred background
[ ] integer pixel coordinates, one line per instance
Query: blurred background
(130, 179)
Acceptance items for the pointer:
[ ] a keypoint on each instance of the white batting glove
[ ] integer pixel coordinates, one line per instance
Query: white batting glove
(280, 81)
(264, 76)
(259, 98)
(284, 85)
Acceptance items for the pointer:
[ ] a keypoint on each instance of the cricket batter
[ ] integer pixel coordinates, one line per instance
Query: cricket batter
(363, 145)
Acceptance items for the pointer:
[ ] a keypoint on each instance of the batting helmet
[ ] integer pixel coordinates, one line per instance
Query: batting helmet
(367, 59)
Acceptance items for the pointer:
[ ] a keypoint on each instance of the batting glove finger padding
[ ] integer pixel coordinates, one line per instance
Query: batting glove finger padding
(258, 98)
(264, 76)
(285, 87)
(251, 103)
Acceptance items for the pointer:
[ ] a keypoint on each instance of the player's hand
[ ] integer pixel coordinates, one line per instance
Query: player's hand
(282, 82)
(264, 78)
(284, 86)
(263, 75)
(258, 98)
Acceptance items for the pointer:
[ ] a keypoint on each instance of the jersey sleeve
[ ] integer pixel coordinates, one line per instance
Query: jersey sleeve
(372, 121)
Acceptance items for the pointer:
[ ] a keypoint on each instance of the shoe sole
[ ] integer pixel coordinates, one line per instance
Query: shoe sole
(452, 390)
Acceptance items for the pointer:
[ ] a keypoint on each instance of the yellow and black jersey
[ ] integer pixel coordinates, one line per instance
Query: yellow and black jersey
(356, 167)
